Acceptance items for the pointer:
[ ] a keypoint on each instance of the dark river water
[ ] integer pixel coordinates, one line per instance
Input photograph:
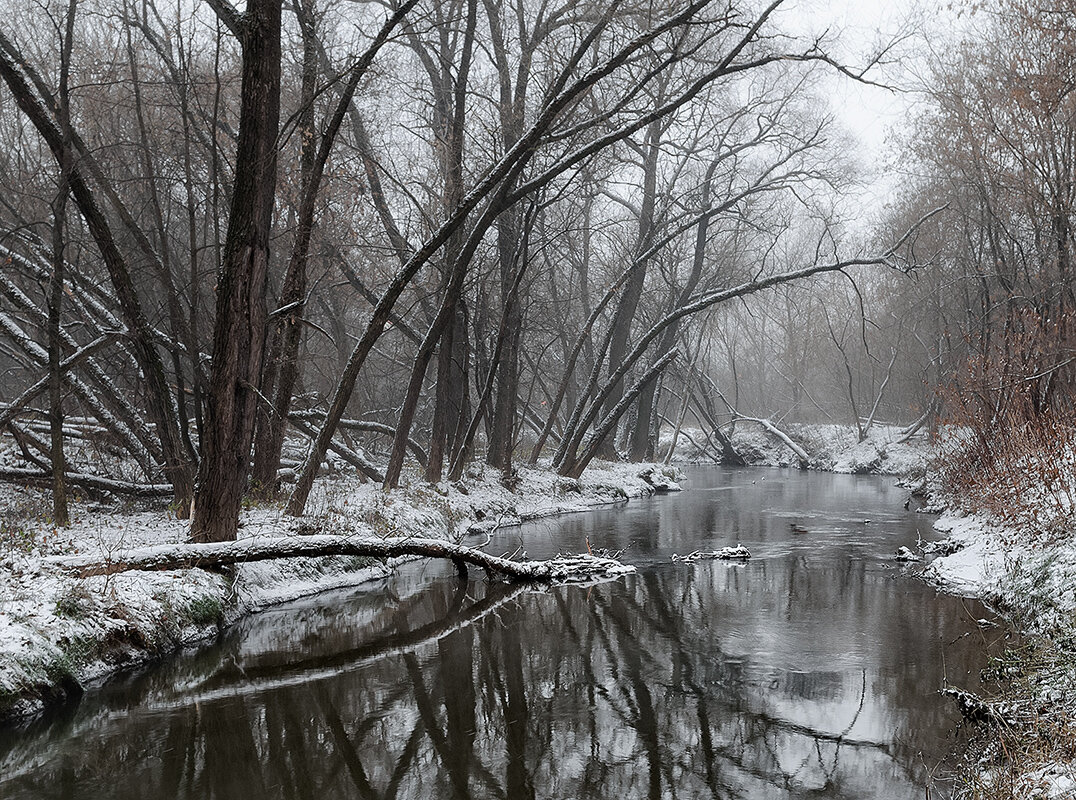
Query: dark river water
(811, 671)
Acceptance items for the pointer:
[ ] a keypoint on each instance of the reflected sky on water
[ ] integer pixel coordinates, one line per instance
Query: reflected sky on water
(811, 671)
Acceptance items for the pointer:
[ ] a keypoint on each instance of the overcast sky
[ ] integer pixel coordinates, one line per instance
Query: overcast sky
(871, 114)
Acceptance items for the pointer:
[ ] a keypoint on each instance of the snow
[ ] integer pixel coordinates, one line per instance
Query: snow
(975, 569)
(832, 448)
(737, 553)
(1054, 782)
(58, 631)
(1034, 581)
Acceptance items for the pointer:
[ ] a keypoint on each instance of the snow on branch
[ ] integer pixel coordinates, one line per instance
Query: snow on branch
(564, 568)
(32, 477)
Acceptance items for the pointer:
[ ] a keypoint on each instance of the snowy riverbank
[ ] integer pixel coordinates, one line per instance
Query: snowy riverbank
(1030, 577)
(59, 633)
(885, 450)
(1033, 581)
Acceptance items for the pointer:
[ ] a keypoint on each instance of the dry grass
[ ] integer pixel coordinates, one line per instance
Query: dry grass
(1008, 445)
(1007, 450)
(1017, 760)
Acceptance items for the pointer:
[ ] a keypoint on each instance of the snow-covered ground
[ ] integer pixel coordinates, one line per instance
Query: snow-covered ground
(1034, 582)
(58, 632)
(833, 448)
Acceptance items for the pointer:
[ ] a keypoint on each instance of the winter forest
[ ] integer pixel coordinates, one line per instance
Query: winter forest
(342, 308)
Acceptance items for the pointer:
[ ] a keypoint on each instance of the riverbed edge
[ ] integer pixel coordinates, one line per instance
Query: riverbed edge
(60, 635)
(1032, 583)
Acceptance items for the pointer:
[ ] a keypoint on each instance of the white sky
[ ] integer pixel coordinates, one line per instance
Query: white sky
(871, 114)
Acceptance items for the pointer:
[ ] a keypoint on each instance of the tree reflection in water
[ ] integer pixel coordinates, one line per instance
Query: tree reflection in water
(785, 677)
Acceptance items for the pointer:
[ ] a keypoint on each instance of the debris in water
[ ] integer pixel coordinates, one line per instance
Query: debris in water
(946, 547)
(737, 553)
(904, 554)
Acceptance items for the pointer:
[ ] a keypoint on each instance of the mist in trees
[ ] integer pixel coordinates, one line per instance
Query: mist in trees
(410, 237)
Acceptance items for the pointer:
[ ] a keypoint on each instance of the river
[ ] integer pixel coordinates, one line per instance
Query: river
(811, 671)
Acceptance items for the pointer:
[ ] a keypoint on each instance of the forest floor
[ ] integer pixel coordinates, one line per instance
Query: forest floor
(59, 633)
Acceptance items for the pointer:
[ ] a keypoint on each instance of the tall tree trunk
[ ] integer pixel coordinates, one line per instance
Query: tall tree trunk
(502, 426)
(511, 254)
(240, 326)
(633, 289)
(452, 397)
(281, 366)
(56, 283)
(284, 367)
(451, 390)
(643, 441)
(56, 414)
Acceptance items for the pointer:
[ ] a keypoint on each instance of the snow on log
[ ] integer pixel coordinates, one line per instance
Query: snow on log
(362, 425)
(976, 709)
(737, 553)
(904, 554)
(801, 454)
(35, 478)
(561, 569)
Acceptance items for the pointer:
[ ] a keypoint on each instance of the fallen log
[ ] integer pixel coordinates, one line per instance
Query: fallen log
(350, 456)
(364, 426)
(767, 425)
(12, 409)
(263, 548)
(975, 709)
(737, 553)
(35, 478)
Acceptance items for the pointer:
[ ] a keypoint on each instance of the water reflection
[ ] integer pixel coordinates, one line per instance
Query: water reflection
(809, 672)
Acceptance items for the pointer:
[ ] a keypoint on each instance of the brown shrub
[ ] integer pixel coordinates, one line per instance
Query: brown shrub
(1007, 446)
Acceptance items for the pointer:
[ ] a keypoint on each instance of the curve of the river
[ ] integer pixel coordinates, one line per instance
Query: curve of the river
(810, 671)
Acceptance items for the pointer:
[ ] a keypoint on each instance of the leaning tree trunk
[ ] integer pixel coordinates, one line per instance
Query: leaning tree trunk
(177, 467)
(629, 301)
(239, 330)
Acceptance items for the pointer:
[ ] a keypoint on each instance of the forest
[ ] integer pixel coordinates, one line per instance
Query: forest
(355, 280)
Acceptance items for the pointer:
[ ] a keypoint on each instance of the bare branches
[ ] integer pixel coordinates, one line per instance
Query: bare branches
(230, 17)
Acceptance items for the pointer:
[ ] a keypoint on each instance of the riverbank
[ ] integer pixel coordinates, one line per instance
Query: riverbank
(1028, 576)
(884, 450)
(1029, 750)
(59, 633)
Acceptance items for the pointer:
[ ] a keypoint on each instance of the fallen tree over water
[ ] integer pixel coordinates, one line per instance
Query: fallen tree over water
(216, 555)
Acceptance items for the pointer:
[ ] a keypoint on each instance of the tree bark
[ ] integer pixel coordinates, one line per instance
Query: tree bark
(56, 285)
(239, 331)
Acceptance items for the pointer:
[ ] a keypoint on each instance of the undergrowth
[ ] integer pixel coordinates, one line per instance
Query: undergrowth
(1007, 451)
(1021, 758)
(1007, 447)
